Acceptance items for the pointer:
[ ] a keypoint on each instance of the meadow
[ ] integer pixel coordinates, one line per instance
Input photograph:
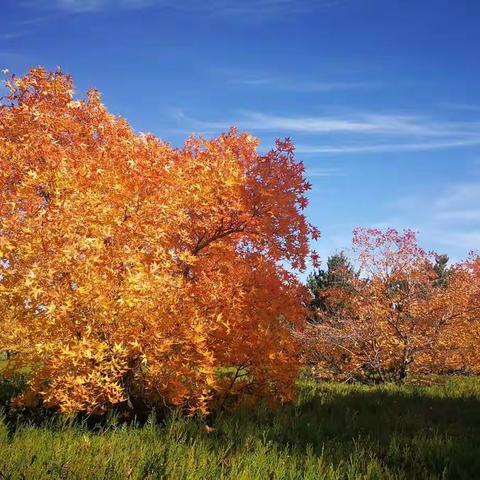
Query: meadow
(332, 431)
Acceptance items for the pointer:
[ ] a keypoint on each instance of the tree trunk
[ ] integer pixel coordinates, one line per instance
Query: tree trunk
(405, 365)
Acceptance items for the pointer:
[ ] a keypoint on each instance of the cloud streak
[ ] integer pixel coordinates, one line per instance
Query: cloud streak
(461, 106)
(460, 203)
(218, 7)
(390, 147)
(88, 6)
(395, 133)
(14, 35)
(304, 86)
(363, 123)
(316, 172)
(447, 218)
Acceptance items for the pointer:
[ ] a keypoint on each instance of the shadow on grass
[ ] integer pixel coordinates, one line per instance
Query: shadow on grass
(412, 432)
(412, 429)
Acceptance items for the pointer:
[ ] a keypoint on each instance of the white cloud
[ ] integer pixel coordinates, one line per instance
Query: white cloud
(315, 172)
(459, 204)
(461, 106)
(390, 147)
(83, 6)
(7, 58)
(470, 241)
(14, 35)
(303, 86)
(257, 8)
(395, 133)
(460, 195)
(471, 215)
(447, 219)
(362, 123)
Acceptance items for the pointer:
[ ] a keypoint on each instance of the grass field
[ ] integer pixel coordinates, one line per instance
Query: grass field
(331, 432)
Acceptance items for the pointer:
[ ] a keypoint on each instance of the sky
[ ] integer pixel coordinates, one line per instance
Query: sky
(380, 97)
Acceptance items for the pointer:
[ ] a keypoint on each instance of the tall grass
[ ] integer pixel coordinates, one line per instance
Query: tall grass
(333, 431)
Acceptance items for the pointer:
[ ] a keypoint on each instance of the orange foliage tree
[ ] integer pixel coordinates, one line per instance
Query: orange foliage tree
(396, 317)
(139, 274)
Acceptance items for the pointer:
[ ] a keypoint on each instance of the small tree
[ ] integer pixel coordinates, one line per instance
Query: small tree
(442, 270)
(338, 276)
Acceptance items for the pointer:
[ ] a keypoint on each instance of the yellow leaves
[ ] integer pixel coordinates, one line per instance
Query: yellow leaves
(141, 246)
(155, 268)
(118, 349)
(29, 281)
(32, 174)
(70, 250)
(128, 302)
(90, 242)
(187, 257)
(231, 182)
(74, 104)
(66, 351)
(50, 309)
(36, 114)
(36, 291)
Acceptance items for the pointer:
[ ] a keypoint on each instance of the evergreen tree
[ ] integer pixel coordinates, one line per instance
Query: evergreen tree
(338, 275)
(442, 270)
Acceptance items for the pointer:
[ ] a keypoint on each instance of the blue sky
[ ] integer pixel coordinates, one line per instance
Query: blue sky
(381, 97)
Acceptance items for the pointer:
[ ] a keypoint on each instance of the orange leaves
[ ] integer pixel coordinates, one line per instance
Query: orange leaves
(404, 312)
(154, 266)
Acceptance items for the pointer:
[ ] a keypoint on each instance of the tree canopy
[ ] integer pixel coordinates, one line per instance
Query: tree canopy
(131, 271)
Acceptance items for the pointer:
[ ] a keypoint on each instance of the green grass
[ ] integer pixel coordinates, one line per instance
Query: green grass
(331, 432)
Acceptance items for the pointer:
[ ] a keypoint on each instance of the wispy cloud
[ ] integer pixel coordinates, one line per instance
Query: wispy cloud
(292, 85)
(394, 133)
(390, 147)
(33, 20)
(274, 81)
(13, 35)
(459, 203)
(82, 6)
(217, 7)
(7, 57)
(461, 106)
(448, 218)
(469, 241)
(361, 123)
(316, 172)
(29, 23)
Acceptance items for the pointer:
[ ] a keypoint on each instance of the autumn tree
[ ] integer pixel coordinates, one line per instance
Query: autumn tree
(399, 317)
(457, 348)
(132, 272)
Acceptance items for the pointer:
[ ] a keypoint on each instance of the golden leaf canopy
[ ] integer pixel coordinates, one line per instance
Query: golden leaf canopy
(133, 271)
